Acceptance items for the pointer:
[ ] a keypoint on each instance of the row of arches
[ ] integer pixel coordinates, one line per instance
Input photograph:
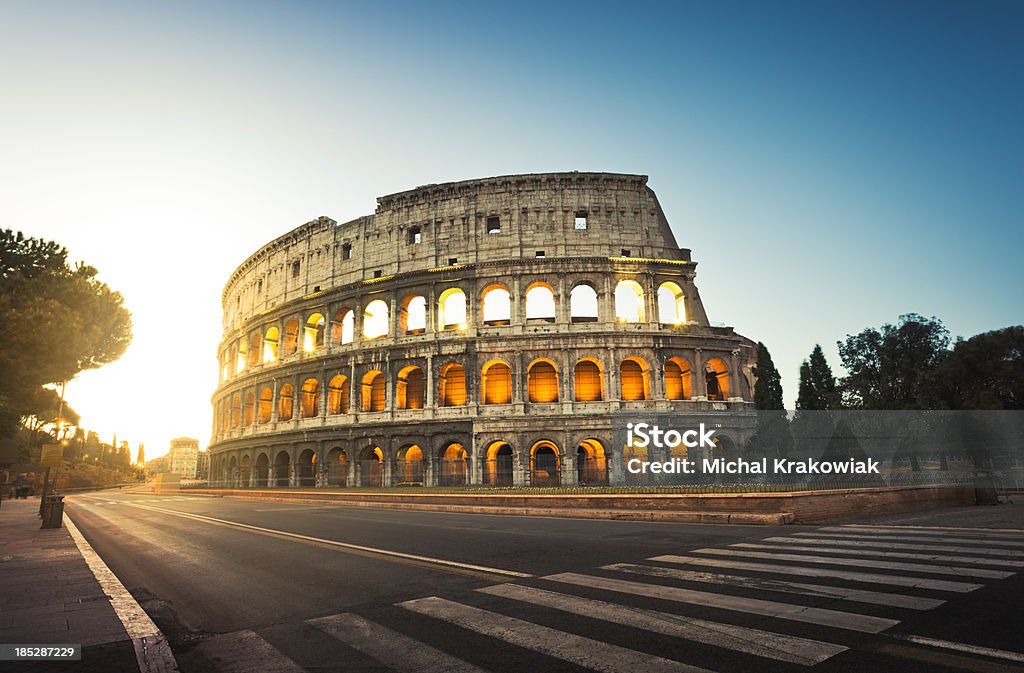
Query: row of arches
(589, 384)
(315, 332)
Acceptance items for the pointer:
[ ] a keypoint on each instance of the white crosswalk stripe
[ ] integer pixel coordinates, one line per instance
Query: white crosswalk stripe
(751, 641)
(864, 563)
(834, 542)
(762, 584)
(395, 650)
(587, 652)
(915, 539)
(873, 578)
(925, 530)
(798, 613)
(884, 554)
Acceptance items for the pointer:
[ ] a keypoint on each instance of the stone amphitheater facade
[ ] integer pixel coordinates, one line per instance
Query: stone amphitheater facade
(477, 332)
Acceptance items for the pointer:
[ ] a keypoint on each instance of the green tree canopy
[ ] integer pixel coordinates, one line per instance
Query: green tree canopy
(983, 372)
(768, 387)
(58, 320)
(885, 367)
(817, 390)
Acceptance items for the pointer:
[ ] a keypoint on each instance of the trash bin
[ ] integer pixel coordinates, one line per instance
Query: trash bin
(53, 511)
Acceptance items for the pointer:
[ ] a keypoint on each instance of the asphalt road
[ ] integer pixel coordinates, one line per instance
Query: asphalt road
(257, 586)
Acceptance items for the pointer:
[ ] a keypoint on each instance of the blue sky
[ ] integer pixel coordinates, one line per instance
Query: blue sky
(832, 165)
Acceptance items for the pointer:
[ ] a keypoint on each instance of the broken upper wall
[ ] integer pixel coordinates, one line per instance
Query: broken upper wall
(467, 222)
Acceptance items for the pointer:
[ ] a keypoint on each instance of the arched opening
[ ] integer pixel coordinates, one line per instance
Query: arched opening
(632, 452)
(671, 304)
(225, 366)
(497, 306)
(588, 381)
(371, 467)
(282, 470)
(236, 410)
(678, 379)
(306, 468)
(291, 338)
(410, 388)
(498, 465)
(540, 303)
(310, 401)
(245, 472)
(716, 378)
(373, 393)
(248, 409)
(313, 337)
(725, 448)
(410, 467)
(232, 476)
(270, 344)
(375, 320)
(629, 301)
(240, 357)
(545, 466)
(634, 380)
(451, 309)
(583, 303)
(453, 466)
(591, 463)
(497, 383)
(255, 349)
(452, 385)
(343, 327)
(412, 318)
(286, 402)
(542, 381)
(337, 467)
(262, 471)
(338, 395)
(266, 406)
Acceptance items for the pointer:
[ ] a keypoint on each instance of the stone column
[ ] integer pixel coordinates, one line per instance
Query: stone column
(700, 386)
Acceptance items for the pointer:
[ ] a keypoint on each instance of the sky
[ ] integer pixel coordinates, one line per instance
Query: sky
(831, 165)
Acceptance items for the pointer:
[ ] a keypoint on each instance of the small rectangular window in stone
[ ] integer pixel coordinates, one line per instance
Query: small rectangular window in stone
(259, 285)
(346, 251)
(625, 253)
(377, 273)
(452, 261)
(295, 269)
(493, 224)
(581, 221)
(540, 254)
(415, 235)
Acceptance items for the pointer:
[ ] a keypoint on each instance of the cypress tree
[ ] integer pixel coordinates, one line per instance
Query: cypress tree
(807, 397)
(823, 380)
(768, 388)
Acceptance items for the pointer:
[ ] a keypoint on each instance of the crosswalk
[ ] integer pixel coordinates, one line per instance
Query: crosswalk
(92, 502)
(710, 610)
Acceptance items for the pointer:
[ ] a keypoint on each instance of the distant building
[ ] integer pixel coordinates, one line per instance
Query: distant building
(184, 455)
(203, 466)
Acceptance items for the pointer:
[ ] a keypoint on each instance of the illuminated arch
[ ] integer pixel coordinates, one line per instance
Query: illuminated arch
(270, 344)
(452, 385)
(498, 466)
(671, 304)
(410, 466)
(410, 388)
(236, 410)
(629, 301)
(453, 465)
(375, 319)
(583, 303)
(545, 464)
(265, 410)
(313, 336)
(338, 395)
(248, 409)
(542, 381)
(286, 402)
(255, 349)
(241, 352)
(343, 327)
(634, 379)
(412, 317)
(291, 338)
(373, 396)
(716, 379)
(588, 381)
(371, 467)
(591, 463)
(496, 305)
(678, 379)
(540, 303)
(451, 309)
(497, 382)
(310, 399)
(337, 467)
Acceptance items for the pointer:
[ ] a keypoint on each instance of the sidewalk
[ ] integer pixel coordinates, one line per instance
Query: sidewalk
(48, 595)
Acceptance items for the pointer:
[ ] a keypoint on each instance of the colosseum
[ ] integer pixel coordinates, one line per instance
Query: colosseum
(484, 332)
